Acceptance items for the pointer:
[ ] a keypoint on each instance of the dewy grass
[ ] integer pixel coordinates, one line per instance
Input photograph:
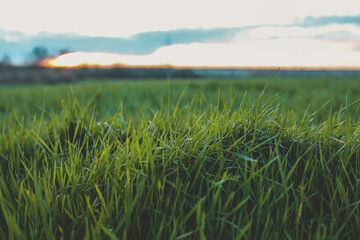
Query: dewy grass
(228, 169)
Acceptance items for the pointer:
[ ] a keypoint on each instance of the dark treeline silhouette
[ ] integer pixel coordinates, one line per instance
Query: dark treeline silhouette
(5, 61)
(34, 57)
(33, 74)
(38, 54)
(37, 74)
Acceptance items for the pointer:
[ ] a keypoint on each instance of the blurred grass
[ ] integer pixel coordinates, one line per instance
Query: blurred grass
(297, 94)
(181, 160)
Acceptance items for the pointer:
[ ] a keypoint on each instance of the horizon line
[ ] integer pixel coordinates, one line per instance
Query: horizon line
(169, 66)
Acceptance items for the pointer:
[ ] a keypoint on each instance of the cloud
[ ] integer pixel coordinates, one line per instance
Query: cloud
(330, 32)
(142, 43)
(208, 42)
(263, 53)
(114, 18)
(327, 20)
(357, 45)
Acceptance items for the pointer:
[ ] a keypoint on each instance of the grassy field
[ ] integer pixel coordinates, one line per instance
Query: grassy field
(204, 159)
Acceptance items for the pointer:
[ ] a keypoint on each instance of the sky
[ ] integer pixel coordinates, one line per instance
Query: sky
(191, 33)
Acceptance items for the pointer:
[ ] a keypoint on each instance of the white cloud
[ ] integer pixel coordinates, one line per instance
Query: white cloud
(10, 38)
(263, 46)
(123, 18)
(282, 53)
(325, 7)
(265, 53)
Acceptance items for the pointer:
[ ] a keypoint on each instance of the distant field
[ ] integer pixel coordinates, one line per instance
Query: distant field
(215, 159)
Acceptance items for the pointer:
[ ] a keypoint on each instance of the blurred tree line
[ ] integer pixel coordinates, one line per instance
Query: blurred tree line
(5, 60)
(40, 53)
(34, 58)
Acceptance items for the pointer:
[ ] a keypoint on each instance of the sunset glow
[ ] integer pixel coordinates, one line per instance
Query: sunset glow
(289, 53)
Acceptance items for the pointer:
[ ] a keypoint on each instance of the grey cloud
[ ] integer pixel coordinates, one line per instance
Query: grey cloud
(142, 43)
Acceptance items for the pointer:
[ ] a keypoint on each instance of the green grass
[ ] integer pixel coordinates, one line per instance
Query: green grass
(296, 94)
(181, 160)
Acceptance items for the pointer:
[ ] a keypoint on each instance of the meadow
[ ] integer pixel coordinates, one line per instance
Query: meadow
(181, 159)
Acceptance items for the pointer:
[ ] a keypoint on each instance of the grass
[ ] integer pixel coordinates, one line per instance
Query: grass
(150, 160)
